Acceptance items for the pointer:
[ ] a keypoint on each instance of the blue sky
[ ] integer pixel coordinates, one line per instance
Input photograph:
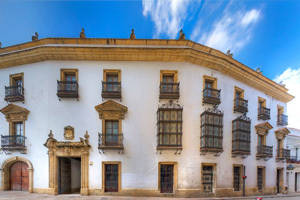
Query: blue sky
(263, 34)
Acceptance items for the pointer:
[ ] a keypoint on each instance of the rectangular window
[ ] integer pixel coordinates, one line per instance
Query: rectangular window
(207, 178)
(111, 84)
(169, 126)
(241, 131)
(237, 178)
(260, 178)
(111, 132)
(68, 84)
(18, 128)
(111, 177)
(211, 130)
(166, 178)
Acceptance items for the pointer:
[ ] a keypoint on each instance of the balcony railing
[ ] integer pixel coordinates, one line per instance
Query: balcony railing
(110, 141)
(111, 90)
(264, 151)
(67, 89)
(169, 90)
(14, 93)
(293, 159)
(13, 142)
(283, 154)
(169, 140)
(263, 113)
(282, 120)
(211, 96)
(240, 105)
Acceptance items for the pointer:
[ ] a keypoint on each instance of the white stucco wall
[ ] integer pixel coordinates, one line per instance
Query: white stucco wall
(140, 93)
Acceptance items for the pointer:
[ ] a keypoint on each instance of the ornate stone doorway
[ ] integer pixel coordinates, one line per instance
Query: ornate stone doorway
(17, 174)
(61, 149)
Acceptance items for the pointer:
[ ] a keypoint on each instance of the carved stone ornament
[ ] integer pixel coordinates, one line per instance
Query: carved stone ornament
(170, 105)
(111, 110)
(132, 35)
(13, 112)
(69, 133)
(82, 34)
(281, 133)
(181, 35)
(228, 53)
(35, 37)
(263, 128)
(68, 149)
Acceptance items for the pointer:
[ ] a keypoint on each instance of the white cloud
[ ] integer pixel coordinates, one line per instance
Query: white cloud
(291, 78)
(167, 15)
(231, 31)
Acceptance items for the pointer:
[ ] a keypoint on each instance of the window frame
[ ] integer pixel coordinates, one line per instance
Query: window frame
(173, 73)
(64, 72)
(111, 71)
(263, 178)
(12, 78)
(211, 79)
(214, 174)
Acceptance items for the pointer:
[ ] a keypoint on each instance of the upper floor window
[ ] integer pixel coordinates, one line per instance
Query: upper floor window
(241, 131)
(211, 95)
(263, 151)
(169, 85)
(111, 84)
(263, 112)
(169, 122)
(67, 87)
(211, 131)
(282, 119)
(240, 104)
(15, 91)
(17, 128)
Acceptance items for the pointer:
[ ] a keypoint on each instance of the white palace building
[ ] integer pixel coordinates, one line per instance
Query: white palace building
(149, 117)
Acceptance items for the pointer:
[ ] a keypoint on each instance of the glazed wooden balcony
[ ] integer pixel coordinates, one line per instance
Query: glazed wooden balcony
(110, 141)
(211, 96)
(293, 159)
(67, 89)
(14, 93)
(240, 105)
(13, 142)
(263, 113)
(264, 151)
(283, 154)
(240, 147)
(111, 90)
(169, 90)
(211, 143)
(169, 141)
(282, 120)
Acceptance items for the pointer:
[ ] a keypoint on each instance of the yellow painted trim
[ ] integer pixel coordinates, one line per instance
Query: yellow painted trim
(63, 72)
(169, 72)
(280, 109)
(264, 177)
(13, 76)
(175, 173)
(238, 90)
(111, 71)
(260, 99)
(212, 79)
(119, 174)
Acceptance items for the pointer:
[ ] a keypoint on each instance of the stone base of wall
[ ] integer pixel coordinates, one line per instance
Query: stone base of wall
(189, 193)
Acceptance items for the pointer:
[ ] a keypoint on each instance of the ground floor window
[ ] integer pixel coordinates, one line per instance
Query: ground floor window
(166, 178)
(207, 178)
(237, 178)
(260, 178)
(111, 175)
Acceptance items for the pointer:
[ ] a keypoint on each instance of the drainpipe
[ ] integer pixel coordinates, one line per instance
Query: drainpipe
(244, 181)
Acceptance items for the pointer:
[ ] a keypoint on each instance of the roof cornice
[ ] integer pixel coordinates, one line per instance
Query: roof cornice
(139, 50)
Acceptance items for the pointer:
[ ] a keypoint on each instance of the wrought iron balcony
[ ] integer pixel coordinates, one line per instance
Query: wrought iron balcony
(67, 89)
(211, 96)
(111, 90)
(263, 113)
(169, 90)
(110, 141)
(283, 154)
(240, 105)
(169, 141)
(264, 151)
(14, 93)
(282, 120)
(13, 142)
(293, 159)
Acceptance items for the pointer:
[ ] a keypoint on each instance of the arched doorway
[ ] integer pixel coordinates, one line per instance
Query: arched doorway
(19, 176)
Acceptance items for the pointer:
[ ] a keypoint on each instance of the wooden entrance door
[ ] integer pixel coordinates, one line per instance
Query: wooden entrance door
(111, 177)
(19, 178)
(166, 178)
(64, 175)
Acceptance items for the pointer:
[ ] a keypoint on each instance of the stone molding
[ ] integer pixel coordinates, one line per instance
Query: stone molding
(281, 133)
(263, 128)
(13, 112)
(139, 50)
(111, 110)
(68, 149)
